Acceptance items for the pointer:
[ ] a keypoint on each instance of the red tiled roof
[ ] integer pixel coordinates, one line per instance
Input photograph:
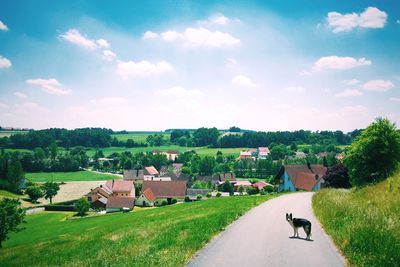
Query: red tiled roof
(263, 149)
(261, 184)
(120, 202)
(148, 193)
(151, 170)
(172, 152)
(117, 186)
(166, 189)
(305, 181)
(242, 183)
(296, 174)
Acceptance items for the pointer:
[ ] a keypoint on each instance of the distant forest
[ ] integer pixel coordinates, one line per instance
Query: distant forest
(212, 137)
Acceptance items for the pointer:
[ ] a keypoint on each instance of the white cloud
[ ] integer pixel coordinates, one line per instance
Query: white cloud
(339, 63)
(103, 43)
(242, 80)
(372, 17)
(4, 62)
(179, 91)
(75, 37)
(20, 95)
(351, 82)
(232, 61)
(110, 100)
(142, 68)
(149, 35)
(2, 105)
(349, 93)
(28, 107)
(196, 37)
(295, 89)
(378, 85)
(109, 55)
(395, 99)
(354, 109)
(3, 27)
(50, 86)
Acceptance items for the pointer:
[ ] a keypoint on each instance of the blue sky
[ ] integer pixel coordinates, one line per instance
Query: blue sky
(262, 65)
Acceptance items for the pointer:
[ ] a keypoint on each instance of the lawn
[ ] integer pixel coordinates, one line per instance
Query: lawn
(139, 137)
(69, 176)
(203, 151)
(6, 194)
(166, 236)
(364, 223)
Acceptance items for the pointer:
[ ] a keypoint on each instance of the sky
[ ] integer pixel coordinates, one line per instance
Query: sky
(154, 65)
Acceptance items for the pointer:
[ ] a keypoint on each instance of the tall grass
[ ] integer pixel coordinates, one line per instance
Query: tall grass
(364, 223)
(166, 236)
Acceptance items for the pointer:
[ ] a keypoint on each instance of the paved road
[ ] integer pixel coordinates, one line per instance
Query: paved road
(261, 238)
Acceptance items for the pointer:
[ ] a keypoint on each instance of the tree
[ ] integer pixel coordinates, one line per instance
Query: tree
(11, 215)
(15, 177)
(227, 187)
(207, 165)
(34, 193)
(374, 154)
(82, 206)
(241, 189)
(235, 129)
(50, 189)
(206, 136)
(337, 177)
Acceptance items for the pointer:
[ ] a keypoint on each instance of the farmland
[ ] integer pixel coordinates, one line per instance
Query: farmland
(138, 137)
(69, 176)
(167, 236)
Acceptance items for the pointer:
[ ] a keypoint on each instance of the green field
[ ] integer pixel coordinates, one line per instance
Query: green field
(166, 236)
(8, 133)
(68, 176)
(363, 222)
(139, 137)
(4, 194)
(202, 151)
(109, 150)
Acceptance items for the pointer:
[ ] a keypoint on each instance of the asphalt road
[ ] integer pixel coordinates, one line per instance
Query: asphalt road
(262, 238)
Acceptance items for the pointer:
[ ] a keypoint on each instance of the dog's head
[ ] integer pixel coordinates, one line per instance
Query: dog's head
(289, 217)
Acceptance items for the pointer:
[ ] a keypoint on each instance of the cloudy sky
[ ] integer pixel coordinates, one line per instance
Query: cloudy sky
(186, 64)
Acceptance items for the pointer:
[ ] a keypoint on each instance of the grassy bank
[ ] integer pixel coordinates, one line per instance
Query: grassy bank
(69, 176)
(364, 223)
(166, 236)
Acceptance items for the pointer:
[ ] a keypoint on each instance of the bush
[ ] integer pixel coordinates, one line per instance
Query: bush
(252, 191)
(187, 199)
(174, 201)
(262, 191)
(82, 206)
(164, 203)
(208, 194)
(218, 194)
(269, 188)
(199, 197)
(34, 193)
(59, 208)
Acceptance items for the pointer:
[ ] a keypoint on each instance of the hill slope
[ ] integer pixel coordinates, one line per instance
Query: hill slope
(364, 223)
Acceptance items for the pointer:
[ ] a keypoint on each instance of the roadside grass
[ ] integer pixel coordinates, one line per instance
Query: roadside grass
(139, 137)
(166, 236)
(68, 176)
(364, 223)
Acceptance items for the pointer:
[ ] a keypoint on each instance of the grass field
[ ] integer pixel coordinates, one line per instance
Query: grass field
(68, 176)
(109, 150)
(8, 133)
(364, 223)
(4, 194)
(167, 236)
(139, 137)
(202, 151)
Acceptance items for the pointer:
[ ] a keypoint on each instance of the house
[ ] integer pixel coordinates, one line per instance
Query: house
(146, 199)
(300, 154)
(263, 152)
(172, 154)
(192, 193)
(261, 184)
(116, 203)
(98, 197)
(237, 184)
(245, 155)
(214, 180)
(166, 189)
(121, 188)
(230, 176)
(177, 167)
(149, 173)
(161, 178)
(133, 175)
(339, 157)
(300, 177)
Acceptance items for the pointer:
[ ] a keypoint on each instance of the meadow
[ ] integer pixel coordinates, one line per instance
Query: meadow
(68, 176)
(139, 137)
(166, 236)
(363, 222)
(8, 133)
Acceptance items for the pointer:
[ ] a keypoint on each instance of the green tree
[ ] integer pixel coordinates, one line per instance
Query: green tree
(11, 215)
(227, 187)
(50, 189)
(374, 154)
(82, 206)
(15, 177)
(34, 193)
(207, 165)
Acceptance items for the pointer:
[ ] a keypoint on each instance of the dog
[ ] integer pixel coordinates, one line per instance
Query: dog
(296, 223)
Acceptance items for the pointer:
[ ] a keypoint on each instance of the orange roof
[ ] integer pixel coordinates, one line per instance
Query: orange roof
(305, 181)
(117, 186)
(148, 193)
(151, 170)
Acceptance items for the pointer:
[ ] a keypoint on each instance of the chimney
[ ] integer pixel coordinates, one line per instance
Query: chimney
(309, 166)
(112, 184)
(316, 177)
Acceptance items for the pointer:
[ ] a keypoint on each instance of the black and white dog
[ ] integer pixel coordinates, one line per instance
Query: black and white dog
(296, 223)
